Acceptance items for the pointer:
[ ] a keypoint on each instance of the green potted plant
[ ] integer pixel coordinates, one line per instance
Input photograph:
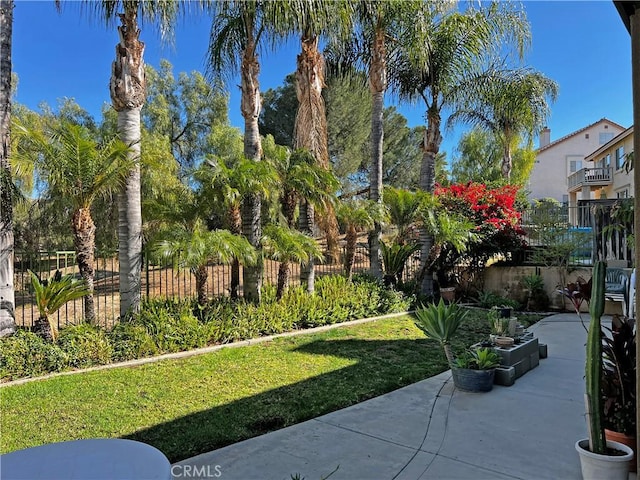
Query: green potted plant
(619, 383)
(474, 371)
(599, 458)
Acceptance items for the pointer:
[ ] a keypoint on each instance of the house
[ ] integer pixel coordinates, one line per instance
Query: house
(557, 160)
(602, 175)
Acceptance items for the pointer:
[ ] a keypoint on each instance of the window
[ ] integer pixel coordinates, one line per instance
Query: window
(606, 161)
(575, 165)
(604, 137)
(624, 193)
(619, 157)
(586, 135)
(565, 200)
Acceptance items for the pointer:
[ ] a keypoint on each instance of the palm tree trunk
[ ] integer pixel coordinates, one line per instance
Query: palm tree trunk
(378, 85)
(201, 275)
(305, 222)
(350, 253)
(283, 279)
(507, 163)
(128, 92)
(431, 147)
(251, 104)
(45, 329)
(7, 294)
(84, 235)
(310, 130)
(235, 226)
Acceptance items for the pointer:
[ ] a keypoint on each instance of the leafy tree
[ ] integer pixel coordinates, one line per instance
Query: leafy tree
(287, 245)
(402, 206)
(76, 168)
(509, 104)
(440, 60)
(7, 294)
(480, 158)
(193, 246)
(278, 115)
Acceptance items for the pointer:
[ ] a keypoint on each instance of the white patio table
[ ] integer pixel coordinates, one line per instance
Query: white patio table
(92, 459)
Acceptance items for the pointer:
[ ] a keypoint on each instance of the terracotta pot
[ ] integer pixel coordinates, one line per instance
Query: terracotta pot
(448, 294)
(629, 441)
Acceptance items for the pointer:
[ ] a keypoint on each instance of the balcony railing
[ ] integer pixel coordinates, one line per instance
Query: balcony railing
(596, 177)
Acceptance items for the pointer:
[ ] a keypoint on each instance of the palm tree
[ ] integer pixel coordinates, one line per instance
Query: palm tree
(50, 296)
(311, 19)
(442, 51)
(193, 246)
(357, 215)
(79, 170)
(7, 294)
(286, 245)
(402, 206)
(127, 87)
(511, 104)
(228, 181)
(301, 179)
(236, 33)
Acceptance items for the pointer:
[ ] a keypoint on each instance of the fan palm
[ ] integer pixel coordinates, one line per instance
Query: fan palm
(79, 170)
(192, 247)
(287, 245)
(7, 294)
(50, 296)
(511, 104)
(442, 51)
(127, 87)
(357, 215)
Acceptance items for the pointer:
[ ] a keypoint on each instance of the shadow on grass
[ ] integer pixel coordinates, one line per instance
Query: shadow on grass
(381, 366)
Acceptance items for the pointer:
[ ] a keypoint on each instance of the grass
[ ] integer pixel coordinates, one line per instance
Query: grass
(189, 406)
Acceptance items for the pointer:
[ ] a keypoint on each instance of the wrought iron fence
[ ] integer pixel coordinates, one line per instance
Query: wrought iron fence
(158, 281)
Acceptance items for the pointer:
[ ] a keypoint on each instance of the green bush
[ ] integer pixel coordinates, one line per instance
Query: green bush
(25, 354)
(85, 345)
(131, 341)
(490, 299)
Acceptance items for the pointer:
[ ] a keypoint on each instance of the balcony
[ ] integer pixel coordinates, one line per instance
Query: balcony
(590, 177)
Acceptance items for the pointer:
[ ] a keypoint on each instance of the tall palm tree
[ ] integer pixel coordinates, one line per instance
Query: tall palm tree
(127, 87)
(236, 34)
(510, 104)
(7, 294)
(76, 168)
(286, 245)
(381, 23)
(311, 19)
(441, 52)
(193, 246)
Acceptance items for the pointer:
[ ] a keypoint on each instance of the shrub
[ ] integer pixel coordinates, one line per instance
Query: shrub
(85, 345)
(131, 341)
(490, 300)
(25, 354)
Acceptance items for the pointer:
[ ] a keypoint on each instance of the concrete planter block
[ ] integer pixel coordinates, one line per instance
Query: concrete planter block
(505, 376)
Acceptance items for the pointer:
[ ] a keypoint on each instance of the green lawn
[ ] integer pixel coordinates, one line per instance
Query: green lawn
(194, 405)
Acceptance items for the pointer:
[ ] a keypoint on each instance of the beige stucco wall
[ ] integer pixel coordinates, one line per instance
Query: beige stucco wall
(551, 170)
(506, 281)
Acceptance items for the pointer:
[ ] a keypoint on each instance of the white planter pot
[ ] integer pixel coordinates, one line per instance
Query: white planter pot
(604, 467)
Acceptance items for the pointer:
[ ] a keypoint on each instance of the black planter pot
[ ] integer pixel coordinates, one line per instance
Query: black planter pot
(473, 380)
(505, 313)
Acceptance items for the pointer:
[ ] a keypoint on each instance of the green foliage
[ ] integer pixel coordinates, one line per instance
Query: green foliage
(489, 300)
(25, 354)
(131, 341)
(85, 345)
(478, 359)
(394, 258)
(440, 322)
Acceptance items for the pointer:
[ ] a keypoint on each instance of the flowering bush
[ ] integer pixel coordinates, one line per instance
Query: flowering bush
(494, 213)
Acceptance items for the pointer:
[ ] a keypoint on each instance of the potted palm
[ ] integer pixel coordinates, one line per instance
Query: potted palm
(599, 458)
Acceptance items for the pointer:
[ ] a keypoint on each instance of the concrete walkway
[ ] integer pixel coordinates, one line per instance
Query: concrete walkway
(430, 430)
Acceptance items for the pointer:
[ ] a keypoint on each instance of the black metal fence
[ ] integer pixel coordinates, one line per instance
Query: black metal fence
(158, 281)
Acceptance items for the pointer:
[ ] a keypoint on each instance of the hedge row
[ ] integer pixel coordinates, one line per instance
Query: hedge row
(165, 326)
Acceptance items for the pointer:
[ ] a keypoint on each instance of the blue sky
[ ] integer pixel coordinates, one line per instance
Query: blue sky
(583, 45)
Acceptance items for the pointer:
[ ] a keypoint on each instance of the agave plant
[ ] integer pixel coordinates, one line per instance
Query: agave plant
(440, 322)
(51, 295)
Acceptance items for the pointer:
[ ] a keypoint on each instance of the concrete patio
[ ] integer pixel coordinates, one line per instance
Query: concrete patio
(430, 430)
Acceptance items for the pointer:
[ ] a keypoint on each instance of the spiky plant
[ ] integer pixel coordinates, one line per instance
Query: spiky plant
(440, 322)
